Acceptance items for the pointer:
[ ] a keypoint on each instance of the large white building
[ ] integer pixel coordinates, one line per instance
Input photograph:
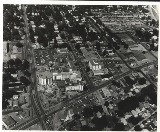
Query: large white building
(45, 78)
(95, 65)
(5, 47)
(66, 75)
(74, 88)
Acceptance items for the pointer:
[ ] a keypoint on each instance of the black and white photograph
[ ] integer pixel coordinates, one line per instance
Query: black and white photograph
(74, 67)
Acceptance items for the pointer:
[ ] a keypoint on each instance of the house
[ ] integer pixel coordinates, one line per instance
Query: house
(69, 115)
(98, 72)
(13, 56)
(16, 50)
(15, 97)
(8, 122)
(14, 75)
(83, 122)
(123, 120)
(99, 115)
(110, 52)
(15, 103)
(107, 77)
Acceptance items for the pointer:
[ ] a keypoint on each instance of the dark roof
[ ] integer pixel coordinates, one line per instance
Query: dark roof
(106, 76)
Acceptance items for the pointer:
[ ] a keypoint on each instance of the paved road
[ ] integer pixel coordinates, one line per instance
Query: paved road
(34, 98)
(143, 120)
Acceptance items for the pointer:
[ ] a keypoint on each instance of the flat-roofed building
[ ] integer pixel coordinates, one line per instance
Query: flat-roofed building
(45, 78)
(8, 122)
(95, 64)
(74, 88)
(5, 47)
(62, 51)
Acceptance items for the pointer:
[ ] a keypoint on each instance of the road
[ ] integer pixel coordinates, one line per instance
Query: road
(143, 120)
(71, 102)
(34, 97)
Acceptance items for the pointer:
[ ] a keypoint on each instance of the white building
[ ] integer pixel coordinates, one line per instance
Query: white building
(5, 47)
(45, 78)
(74, 88)
(66, 75)
(95, 65)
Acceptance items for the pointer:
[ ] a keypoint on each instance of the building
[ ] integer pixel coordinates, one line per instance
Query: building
(5, 47)
(95, 65)
(89, 54)
(62, 51)
(137, 47)
(8, 122)
(16, 50)
(74, 88)
(15, 97)
(45, 78)
(21, 100)
(106, 76)
(15, 103)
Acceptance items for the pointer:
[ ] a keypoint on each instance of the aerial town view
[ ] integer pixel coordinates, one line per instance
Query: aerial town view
(80, 67)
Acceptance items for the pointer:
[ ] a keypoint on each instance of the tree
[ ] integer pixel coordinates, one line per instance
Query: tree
(6, 76)
(117, 47)
(11, 62)
(119, 127)
(137, 128)
(106, 103)
(77, 46)
(4, 104)
(18, 62)
(45, 42)
(24, 80)
(9, 94)
(12, 79)
(142, 81)
(147, 36)
(85, 128)
(40, 40)
(153, 22)
(141, 98)
(19, 45)
(155, 32)
(27, 73)
(25, 65)
(76, 116)
(126, 46)
(5, 86)
(139, 33)
(98, 47)
(134, 120)
(87, 112)
(62, 35)
(12, 70)
(85, 87)
(97, 108)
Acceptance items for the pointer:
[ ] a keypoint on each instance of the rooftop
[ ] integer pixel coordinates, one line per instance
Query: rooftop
(8, 120)
(46, 74)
